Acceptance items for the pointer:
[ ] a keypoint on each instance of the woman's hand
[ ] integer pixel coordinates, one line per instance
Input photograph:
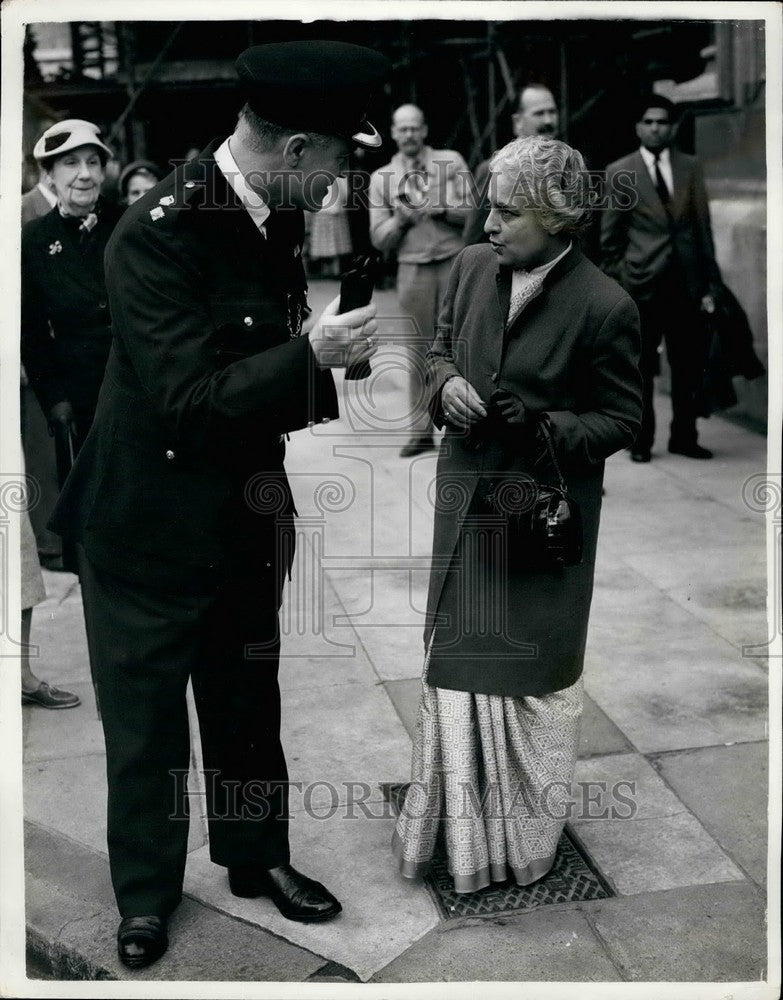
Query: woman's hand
(510, 407)
(461, 404)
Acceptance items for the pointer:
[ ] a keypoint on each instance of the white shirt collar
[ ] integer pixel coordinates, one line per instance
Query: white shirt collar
(664, 163)
(252, 200)
(47, 192)
(649, 158)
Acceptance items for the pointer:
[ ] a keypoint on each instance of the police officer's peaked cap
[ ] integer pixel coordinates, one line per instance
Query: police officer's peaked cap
(315, 86)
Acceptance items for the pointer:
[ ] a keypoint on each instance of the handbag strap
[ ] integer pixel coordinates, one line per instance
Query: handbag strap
(543, 426)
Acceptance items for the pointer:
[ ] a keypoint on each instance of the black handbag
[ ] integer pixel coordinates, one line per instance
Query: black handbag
(544, 522)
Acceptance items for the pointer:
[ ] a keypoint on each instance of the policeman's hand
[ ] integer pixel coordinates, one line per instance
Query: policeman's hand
(61, 415)
(509, 406)
(344, 339)
(461, 404)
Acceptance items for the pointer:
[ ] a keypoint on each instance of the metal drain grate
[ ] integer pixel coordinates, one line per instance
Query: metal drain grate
(574, 877)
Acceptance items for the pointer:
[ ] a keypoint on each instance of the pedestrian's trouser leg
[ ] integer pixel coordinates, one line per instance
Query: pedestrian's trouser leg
(144, 643)
(417, 289)
(685, 338)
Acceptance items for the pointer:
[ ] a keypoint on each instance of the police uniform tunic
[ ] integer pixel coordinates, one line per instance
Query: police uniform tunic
(180, 501)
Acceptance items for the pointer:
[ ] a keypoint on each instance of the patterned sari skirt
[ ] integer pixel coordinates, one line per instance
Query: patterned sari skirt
(495, 773)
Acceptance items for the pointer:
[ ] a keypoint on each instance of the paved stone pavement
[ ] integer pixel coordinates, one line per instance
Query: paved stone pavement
(676, 682)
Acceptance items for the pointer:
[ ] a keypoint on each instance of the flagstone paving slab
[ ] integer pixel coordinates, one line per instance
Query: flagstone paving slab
(620, 787)
(69, 796)
(57, 629)
(726, 788)
(710, 933)
(383, 914)
(405, 696)
(550, 944)
(63, 733)
(662, 852)
(676, 695)
(597, 733)
(72, 917)
(339, 735)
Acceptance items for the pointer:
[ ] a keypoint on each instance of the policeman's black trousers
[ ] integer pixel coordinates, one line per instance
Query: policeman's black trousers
(669, 314)
(145, 643)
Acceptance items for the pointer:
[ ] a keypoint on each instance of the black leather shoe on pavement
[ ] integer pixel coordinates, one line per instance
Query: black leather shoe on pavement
(417, 445)
(690, 450)
(641, 455)
(141, 940)
(295, 895)
(48, 696)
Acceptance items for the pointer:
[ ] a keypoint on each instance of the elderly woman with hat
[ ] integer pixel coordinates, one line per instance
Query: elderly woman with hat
(534, 373)
(65, 313)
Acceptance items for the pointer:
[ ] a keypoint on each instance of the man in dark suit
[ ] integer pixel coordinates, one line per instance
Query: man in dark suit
(179, 496)
(660, 249)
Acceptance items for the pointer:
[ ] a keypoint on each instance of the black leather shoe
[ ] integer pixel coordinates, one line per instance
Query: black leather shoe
(417, 445)
(141, 940)
(690, 450)
(640, 455)
(296, 896)
(48, 696)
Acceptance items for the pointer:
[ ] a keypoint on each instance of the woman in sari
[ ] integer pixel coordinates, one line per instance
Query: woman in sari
(533, 343)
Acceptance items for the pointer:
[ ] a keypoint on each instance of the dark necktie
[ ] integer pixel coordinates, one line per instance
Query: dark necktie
(660, 184)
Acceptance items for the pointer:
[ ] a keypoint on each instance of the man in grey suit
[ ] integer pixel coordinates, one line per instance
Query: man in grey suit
(660, 249)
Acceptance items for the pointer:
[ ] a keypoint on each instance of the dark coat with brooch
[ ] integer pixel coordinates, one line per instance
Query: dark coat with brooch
(66, 322)
(182, 474)
(505, 625)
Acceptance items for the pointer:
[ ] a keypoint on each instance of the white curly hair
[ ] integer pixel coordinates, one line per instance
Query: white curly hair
(552, 177)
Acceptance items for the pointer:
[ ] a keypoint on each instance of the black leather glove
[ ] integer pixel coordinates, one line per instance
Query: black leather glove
(509, 407)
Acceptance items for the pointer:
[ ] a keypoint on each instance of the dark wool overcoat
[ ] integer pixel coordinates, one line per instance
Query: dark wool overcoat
(66, 321)
(506, 624)
(181, 478)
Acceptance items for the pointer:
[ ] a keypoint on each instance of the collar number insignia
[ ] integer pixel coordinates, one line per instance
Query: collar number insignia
(167, 200)
(156, 213)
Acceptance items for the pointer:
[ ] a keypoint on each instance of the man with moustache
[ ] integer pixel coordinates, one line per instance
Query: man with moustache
(179, 496)
(418, 207)
(536, 115)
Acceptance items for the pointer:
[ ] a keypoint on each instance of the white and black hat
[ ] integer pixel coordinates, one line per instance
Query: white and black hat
(68, 135)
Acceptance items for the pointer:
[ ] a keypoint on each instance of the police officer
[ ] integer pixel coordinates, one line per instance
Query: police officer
(179, 497)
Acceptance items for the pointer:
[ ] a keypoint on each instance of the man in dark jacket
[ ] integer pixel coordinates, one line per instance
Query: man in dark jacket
(659, 247)
(179, 497)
